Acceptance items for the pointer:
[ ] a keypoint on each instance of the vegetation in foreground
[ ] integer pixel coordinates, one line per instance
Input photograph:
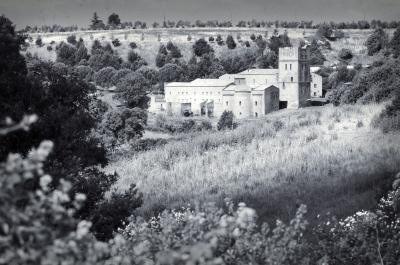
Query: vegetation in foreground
(328, 158)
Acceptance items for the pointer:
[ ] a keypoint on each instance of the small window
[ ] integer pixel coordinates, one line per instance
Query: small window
(240, 114)
(283, 84)
(315, 93)
(315, 85)
(290, 66)
(255, 103)
(291, 79)
(240, 103)
(256, 114)
(226, 103)
(161, 105)
(285, 66)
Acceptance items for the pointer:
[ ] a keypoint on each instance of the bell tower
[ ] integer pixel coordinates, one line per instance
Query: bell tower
(294, 77)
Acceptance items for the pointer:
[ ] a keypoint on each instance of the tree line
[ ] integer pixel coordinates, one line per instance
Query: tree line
(114, 22)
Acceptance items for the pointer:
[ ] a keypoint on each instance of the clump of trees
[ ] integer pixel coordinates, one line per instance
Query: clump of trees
(377, 41)
(226, 121)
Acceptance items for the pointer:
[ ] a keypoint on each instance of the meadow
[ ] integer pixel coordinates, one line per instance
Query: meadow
(328, 158)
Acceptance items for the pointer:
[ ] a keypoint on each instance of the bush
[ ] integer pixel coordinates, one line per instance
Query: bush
(142, 145)
(377, 41)
(230, 42)
(39, 42)
(247, 43)
(201, 47)
(49, 48)
(133, 45)
(211, 39)
(324, 31)
(345, 54)
(104, 77)
(219, 40)
(72, 39)
(226, 121)
(116, 42)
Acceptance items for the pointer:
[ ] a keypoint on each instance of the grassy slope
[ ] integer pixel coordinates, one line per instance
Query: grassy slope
(148, 47)
(328, 158)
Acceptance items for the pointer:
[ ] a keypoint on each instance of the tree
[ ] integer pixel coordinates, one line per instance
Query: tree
(269, 60)
(135, 61)
(96, 23)
(71, 39)
(230, 42)
(133, 90)
(225, 121)
(201, 47)
(102, 58)
(114, 20)
(133, 45)
(39, 42)
(377, 41)
(316, 56)
(395, 43)
(324, 31)
(14, 88)
(104, 76)
(66, 54)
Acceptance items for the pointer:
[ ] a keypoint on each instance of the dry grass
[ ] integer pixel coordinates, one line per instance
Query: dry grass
(148, 46)
(273, 164)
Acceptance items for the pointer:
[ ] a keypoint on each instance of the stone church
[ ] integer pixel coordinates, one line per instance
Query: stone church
(251, 93)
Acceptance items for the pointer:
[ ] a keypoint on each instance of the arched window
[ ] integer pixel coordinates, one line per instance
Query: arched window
(226, 103)
(240, 103)
(256, 114)
(291, 79)
(255, 103)
(290, 66)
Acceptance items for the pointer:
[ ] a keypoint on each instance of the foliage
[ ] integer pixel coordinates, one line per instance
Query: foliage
(226, 121)
(269, 60)
(66, 54)
(133, 45)
(71, 39)
(276, 42)
(133, 90)
(114, 20)
(316, 56)
(389, 118)
(201, 47)
(142, 145)
(104, 77)
(180, 125)
(96, 23)
(230, 42)
(39, 42)
(103, 58)
(395, 43)
(345, 54)
(324, 31)
(213, 236)
(135, 61)
(377, 41)
(116, 42)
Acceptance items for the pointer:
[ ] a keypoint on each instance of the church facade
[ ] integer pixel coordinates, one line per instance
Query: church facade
(251, 93)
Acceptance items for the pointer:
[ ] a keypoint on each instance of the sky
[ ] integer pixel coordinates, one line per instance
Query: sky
(79, 12)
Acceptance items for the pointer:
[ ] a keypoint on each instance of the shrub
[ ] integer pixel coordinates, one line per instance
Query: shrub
(39, 42)
(253, 37)
(49, 48)
(66, 54)
(219, 40)
(226, 121)
(142, 145)
(72, 39)
(104, 77)
(116, 42)
(247, 43)
(133, 45)
(230, 42)
(345, 54)
(324, 31)
(377, 41)
(201, 47)
(211, 39)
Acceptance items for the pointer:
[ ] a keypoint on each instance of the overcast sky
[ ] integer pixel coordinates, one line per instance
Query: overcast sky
(68, 12)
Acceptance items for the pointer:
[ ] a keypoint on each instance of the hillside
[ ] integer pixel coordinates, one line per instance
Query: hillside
(149, 40)
(328, 158)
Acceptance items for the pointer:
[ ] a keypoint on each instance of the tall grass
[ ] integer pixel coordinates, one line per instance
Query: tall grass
(272, 164)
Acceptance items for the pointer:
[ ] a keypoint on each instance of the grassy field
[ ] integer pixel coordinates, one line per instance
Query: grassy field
(149, 40)
(326, 157)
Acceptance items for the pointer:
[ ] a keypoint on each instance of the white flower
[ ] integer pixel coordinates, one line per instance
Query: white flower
(83, 229)
(45, 180)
